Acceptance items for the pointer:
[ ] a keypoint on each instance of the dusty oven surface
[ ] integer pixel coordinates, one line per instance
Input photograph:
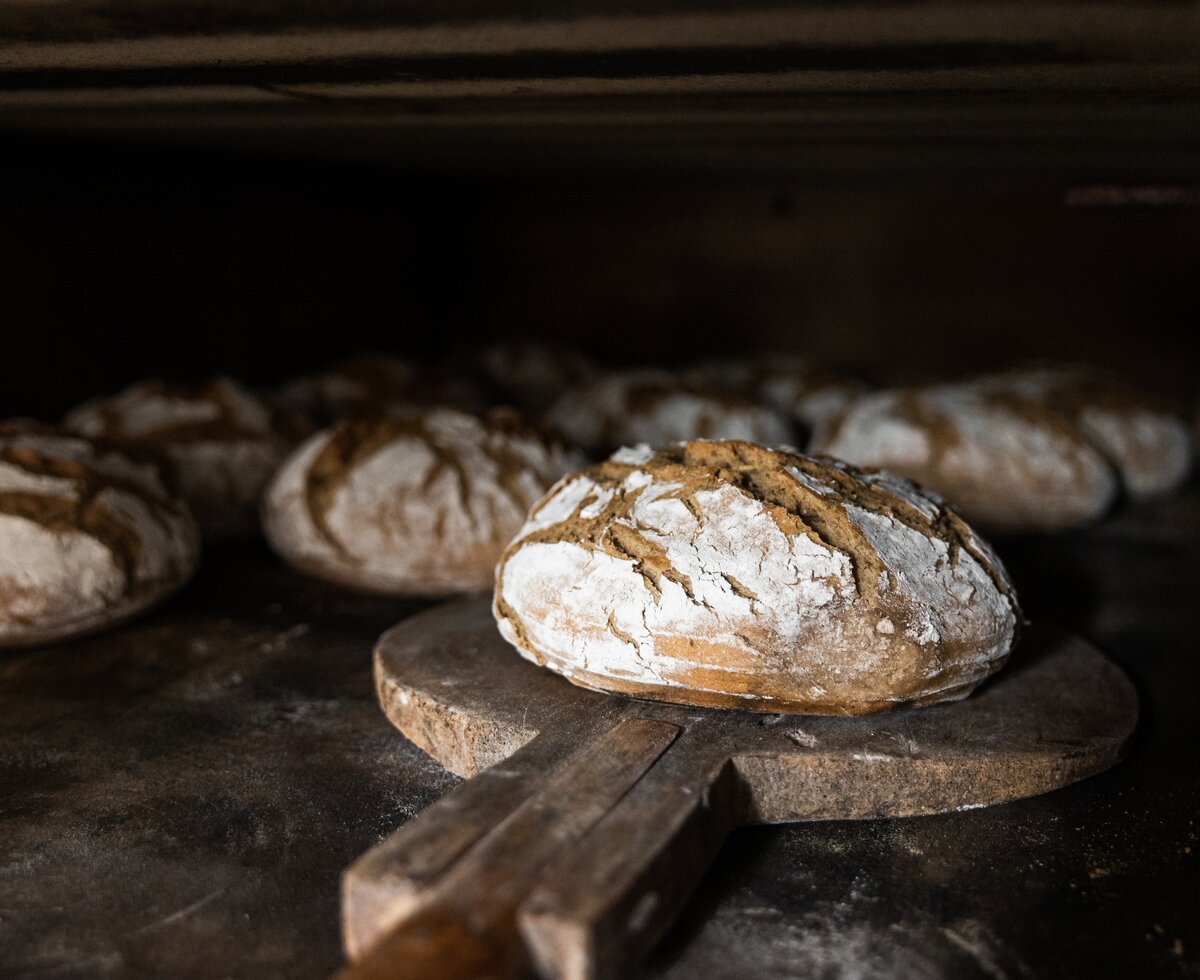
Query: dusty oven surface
(180, 797)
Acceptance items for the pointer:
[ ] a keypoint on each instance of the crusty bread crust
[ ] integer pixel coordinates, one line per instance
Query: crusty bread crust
(1150, 448)
(218, 444)
(732, 575)
(1010, 464)
(626, 408)
(88, 537)
(804, 391)
(410, 503)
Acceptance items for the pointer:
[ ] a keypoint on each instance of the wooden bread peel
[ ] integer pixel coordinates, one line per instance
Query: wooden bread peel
(590, 818)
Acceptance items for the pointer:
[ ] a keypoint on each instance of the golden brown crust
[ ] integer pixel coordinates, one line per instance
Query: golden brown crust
(410, 502)
(1012, 463)
(216, 443)
(82, 511)
(87, 492)
(749, 649)
(1146, 444)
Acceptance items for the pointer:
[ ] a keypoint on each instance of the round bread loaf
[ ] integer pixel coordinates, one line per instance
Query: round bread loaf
(1150, 447)
(654, 407)
(797, 388)
(218, 444)
(529, 374)
(87, 537)
(412, 503)
(1010, 465)
(731, 575)
(368, 384)
(357, 384)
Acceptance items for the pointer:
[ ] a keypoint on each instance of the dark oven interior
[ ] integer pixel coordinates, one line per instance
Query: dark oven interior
(125, 260)
(262, 190)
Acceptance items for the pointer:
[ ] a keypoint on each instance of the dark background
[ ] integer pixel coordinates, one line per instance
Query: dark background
(120, 260)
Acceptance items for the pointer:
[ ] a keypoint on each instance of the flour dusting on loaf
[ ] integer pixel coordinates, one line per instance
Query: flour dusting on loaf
(411, 503)
(218, 443)
(367, 384)
(655, 407)
(798, 388)
(1150, 447)
(87, 537)
(1009, 464)
(732, 575)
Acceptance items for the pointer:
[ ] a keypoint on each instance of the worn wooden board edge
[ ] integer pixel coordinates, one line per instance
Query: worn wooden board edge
(726, 769)
(468, 742)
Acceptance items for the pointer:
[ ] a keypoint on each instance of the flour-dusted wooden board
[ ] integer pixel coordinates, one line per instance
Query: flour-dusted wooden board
(591, 817)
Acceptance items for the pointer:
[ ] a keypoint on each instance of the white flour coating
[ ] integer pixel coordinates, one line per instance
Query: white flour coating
(653, 407)
(221, 473)
(52, 576)
(744, 596)
(140, 418)
(356, 382)
(794, 386)
(426, 513)
(531, 374)
(1152, 450)
(14, 479)
(57, 578)
(1001, 467)
(873, 432)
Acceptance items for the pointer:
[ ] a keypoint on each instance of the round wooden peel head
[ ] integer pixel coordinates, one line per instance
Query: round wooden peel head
(591, 817)
(1060, 711)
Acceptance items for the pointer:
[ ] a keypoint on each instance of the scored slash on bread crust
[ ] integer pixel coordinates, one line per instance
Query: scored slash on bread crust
(1149, 447)
(804, 391)
(218, 443)
(731, 575)
(1010, 464)
(92, 537)
(410, 503)
(656, 407)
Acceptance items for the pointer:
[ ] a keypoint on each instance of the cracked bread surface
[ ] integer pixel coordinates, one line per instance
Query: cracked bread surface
(655, 407)
(88, 537)
(367, 384)
(218, 443)
(531, 374)
(806, 392)
(410, 502)
(1151, 448)
(727, 574)
(1009, 464)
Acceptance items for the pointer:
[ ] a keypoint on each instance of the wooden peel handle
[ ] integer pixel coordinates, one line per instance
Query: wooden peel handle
(463, 921)
(603, 905)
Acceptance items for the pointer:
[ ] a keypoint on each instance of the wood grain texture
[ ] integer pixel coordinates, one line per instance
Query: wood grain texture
(1061, 712)
(467, 925)
(386, 884)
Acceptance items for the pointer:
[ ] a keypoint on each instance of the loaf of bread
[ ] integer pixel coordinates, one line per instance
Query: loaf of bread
(371, 383)
(218, 444)
(529, 374)
(731, 575)
(410, 503)
(799, 389)
(1009, 465)
(1150, 447)
(88, 538)
(656, 408)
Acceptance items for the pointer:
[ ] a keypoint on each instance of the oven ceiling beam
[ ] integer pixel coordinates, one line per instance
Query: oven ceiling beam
(481, 84)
